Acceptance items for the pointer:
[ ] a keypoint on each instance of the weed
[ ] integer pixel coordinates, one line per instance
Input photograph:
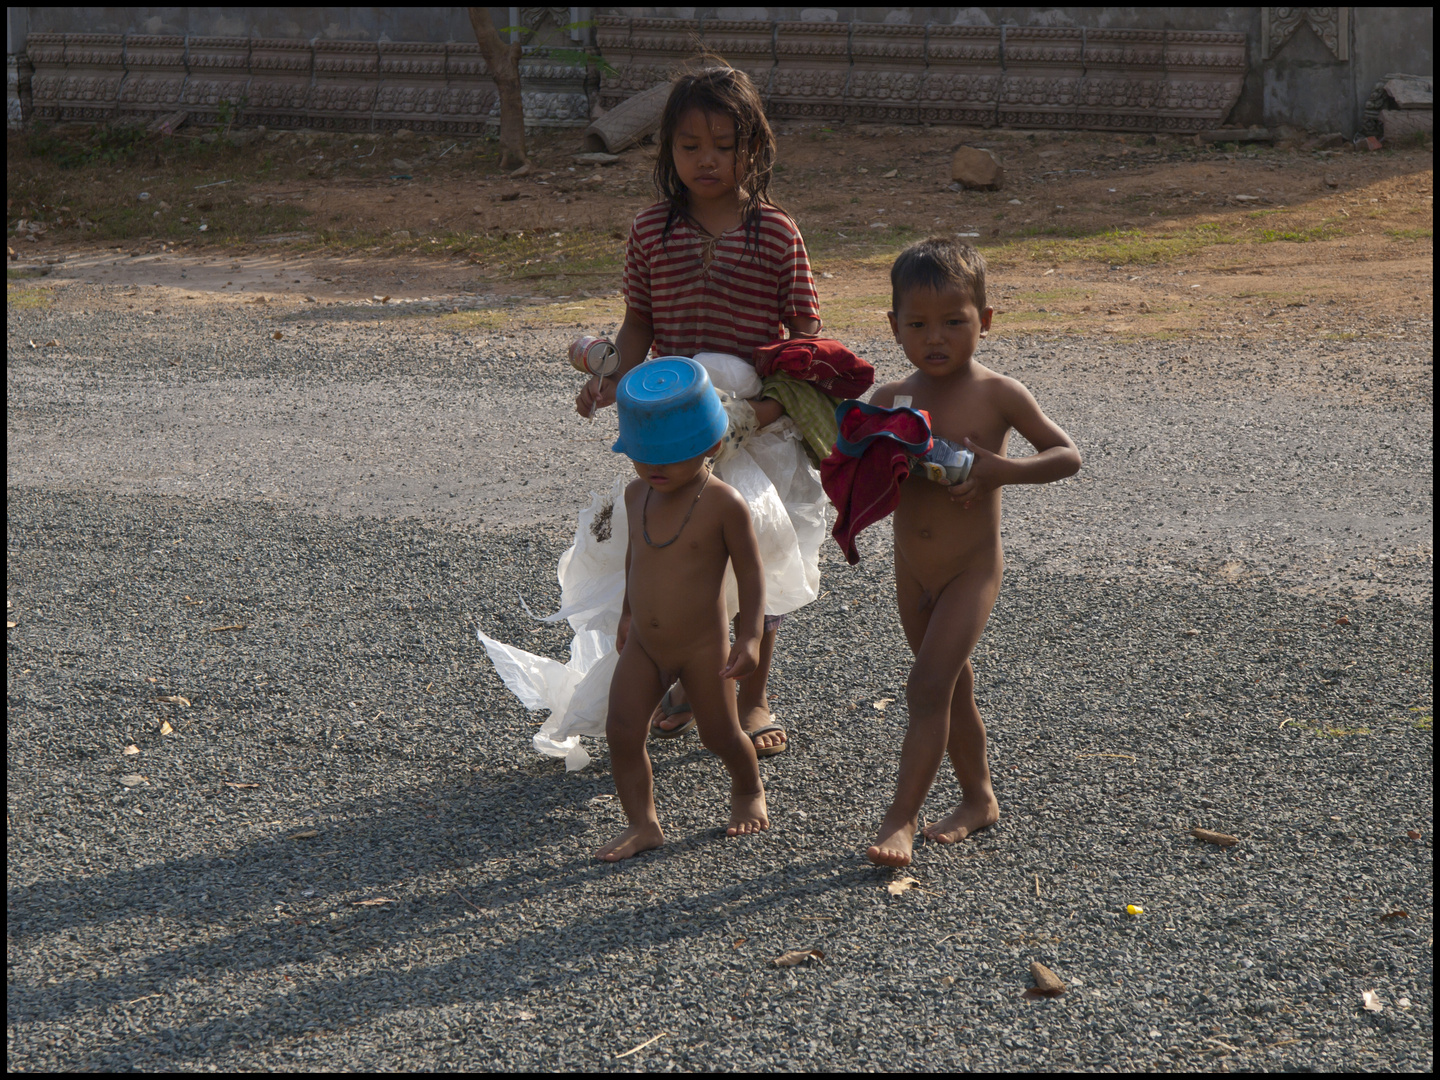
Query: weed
(22, 298)
(1410, 234)
(1324, 231)
(1422, 723)
(1340, 732)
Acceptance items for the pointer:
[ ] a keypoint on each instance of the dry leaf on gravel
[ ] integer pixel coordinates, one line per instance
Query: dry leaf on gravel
(880, 705)
(1413, 834)
(1370, 1001)
(175, 699)
(738, 942)
(230, 783)
(900, 885)
(647, 1042)
(10, 624)
(797, 956)
(132, 749)
(524, 1014)
(376, 902)
(308, 834)
(1223, 839)
(133, 780)
(1343, 620)
(948, 980)
(165, 728)
(277, 335)
(1394, 915)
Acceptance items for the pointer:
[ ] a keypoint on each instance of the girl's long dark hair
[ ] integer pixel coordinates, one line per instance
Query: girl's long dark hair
(720, 89)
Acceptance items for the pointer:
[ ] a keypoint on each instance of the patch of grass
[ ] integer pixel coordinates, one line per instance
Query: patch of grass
(1121, 247)
(1421, 723)
(1268, 213)
(1340, 732)
(1341, 335)
(1410, 234)
(24, 298)
(12, 274)
(1324, 231)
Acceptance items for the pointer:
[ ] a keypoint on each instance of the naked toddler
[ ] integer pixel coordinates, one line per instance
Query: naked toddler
(948, 559)
(685, 528)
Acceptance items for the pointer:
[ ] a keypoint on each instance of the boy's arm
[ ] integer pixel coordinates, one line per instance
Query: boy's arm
(1055, 457)
(632, 342)
(744, 549)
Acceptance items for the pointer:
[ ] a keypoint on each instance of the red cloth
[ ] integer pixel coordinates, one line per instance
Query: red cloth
(866, 489)
(824, 363)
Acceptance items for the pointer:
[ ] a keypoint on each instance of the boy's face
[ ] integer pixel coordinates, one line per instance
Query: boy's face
(704, 152)
(667, 478)
(939, 330)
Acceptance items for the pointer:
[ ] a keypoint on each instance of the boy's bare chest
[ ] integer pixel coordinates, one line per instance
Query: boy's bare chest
(966, 413)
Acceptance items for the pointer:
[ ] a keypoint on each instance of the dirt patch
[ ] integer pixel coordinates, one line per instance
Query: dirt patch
(1093, 233)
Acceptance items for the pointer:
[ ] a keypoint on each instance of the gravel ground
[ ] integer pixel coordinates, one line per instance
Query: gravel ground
(1226, 621)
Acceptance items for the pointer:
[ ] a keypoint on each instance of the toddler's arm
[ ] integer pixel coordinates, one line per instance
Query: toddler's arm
(744, 551)
(1055, 457)
(633, 342)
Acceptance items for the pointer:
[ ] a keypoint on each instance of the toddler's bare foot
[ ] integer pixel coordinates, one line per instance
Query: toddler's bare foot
(894, 843)
(632, 841)
(747, 814)
(969, 817)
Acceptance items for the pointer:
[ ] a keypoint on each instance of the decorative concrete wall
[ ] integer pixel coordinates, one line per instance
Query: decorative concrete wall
(1038, 77)
(285, 83)
(1127, 68)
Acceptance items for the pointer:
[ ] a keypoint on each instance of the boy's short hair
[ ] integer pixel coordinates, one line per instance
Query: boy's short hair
(938, 263)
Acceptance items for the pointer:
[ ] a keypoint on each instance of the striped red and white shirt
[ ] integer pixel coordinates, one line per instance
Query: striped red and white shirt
(734, 304)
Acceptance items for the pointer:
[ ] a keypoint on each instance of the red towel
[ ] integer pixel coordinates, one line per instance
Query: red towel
(824, 363)
(866, 489)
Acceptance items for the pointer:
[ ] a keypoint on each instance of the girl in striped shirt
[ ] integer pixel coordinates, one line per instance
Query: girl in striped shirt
(715, 268)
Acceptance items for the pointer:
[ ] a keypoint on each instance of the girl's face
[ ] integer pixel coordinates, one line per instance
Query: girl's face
(704, 152)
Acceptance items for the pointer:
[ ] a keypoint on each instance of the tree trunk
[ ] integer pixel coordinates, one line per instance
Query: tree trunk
(504, 64)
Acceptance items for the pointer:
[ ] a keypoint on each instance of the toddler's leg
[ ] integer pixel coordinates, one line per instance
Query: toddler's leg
(978, 807)
(634, 689)
(718, 719)
(942, 631)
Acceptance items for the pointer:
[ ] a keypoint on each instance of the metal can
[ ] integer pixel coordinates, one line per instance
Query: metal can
(945, 462)
(594, 356)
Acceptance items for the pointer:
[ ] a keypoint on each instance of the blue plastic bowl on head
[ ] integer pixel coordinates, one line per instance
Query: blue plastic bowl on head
(669, 412)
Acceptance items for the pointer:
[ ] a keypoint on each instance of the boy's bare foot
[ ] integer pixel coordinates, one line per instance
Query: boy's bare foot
(747, 814)
(969, 817)
(632, 841)
(894, 844)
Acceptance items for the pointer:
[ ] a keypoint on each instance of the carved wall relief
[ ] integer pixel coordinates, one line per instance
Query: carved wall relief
(279, 82)
(219, 73)
(962, 77)
(90, 86)
(1331, 25)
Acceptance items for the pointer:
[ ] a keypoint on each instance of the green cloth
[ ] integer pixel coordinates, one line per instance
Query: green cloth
(812, 410)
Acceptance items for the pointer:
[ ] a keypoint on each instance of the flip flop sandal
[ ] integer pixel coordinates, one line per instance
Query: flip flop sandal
(768, 751)
(670, 709)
